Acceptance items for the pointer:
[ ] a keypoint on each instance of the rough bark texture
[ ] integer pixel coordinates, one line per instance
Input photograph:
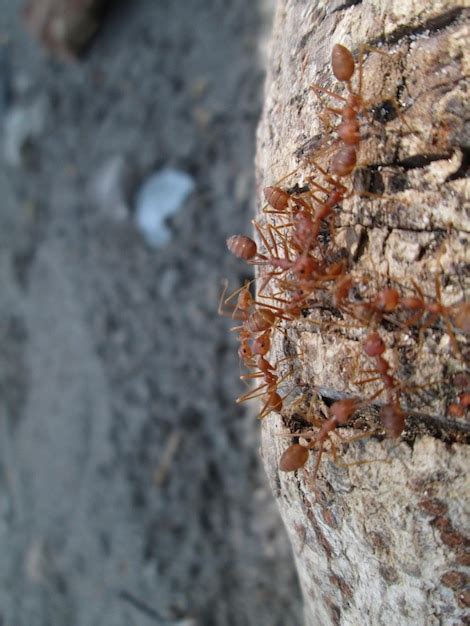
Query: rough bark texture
(382, 542)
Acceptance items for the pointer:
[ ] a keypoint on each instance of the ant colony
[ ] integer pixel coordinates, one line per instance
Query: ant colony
(306, 277)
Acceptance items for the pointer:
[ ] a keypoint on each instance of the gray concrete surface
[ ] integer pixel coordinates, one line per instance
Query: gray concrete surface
(111, 352)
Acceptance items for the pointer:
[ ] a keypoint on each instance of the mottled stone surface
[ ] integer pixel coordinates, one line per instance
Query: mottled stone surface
(131, 492)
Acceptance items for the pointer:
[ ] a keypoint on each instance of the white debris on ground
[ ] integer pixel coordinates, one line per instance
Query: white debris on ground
(161, 196)
(23, 123)
(112, 186)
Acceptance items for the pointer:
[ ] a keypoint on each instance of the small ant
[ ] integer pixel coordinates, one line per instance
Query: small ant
(341, 412)
(343, 66)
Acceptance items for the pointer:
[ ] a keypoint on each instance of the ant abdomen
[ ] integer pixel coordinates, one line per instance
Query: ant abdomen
(293, 458)
(277, 198)
(260, 320)
(242, 247)
(261, 345)
(342, 63)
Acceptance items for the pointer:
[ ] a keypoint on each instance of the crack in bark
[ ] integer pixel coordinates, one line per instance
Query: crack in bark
(420, 161)
(362, 245)
(417, 424)
(346, 5)
(405, 229)
(464, 169)
(434, 24)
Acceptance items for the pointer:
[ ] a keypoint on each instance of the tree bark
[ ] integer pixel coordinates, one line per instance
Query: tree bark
(378, 542)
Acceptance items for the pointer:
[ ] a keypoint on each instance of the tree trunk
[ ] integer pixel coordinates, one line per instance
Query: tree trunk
(381, 541)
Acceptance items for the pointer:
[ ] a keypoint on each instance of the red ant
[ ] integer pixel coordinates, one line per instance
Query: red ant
(342, 62)
(268, 389)
(373, 311)
(340, 411)
(459, 314)
(303, 265)
(280, 200)
(257, 316)
(393, 419)
(374, 347)
(343, 66)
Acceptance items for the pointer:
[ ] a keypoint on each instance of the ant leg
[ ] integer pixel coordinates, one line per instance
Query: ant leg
(252, 394)
(360, 65)
(266, 410)
(282, 237)
(263, 239)
(444, 312)
(336, 184)
(367, 380)
(396, 104)
(311, 181)
(317, 462)
(362, 49)
(270, 233)
(220, 310)
(364, 435)
(452, 337)
(328, 92)
(252, 375)
(269, 276)
(272, 249)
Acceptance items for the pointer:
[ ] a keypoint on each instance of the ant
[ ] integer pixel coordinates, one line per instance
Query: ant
(348, 130)
(340, 412)
(268, 389)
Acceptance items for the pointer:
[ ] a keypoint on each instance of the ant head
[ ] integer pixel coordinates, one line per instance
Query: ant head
(261, 344)
(393, 419)
(387, 300)
(343, 409)
(384, 112)
(304, 266)
(244, 351)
